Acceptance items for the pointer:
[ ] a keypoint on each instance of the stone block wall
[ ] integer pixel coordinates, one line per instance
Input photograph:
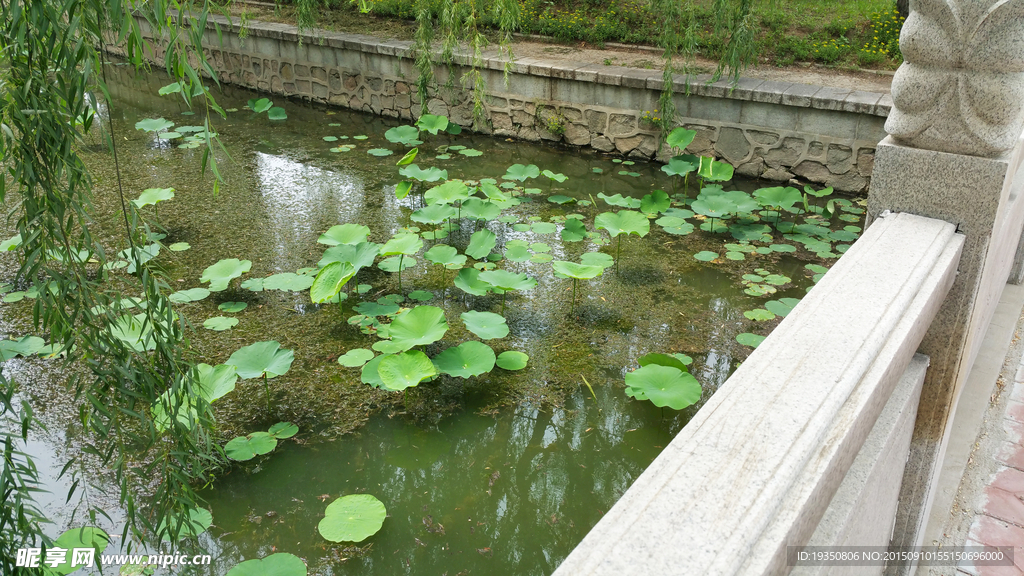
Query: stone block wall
(770, 130)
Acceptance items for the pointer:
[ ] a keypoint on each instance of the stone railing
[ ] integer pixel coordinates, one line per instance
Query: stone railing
(759, 468)
(768, 130)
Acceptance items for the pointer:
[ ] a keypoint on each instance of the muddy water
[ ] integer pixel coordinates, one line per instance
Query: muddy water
(502, 473)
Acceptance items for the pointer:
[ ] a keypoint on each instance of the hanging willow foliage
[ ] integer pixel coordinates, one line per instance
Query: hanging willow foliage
(50, 69)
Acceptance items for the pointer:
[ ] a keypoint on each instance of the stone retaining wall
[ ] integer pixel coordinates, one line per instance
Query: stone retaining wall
(770, 130)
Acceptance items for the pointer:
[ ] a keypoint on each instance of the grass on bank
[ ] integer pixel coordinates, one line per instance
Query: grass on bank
(839, 33)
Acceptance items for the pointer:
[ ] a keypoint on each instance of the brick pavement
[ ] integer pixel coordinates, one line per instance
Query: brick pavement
(1000, 512)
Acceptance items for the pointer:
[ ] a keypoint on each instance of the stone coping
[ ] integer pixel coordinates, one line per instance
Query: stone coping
(753, 89)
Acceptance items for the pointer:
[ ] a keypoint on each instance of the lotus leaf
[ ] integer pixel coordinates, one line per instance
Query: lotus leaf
(445, 255)
(352, 518)
(777, 279)
(153, 196)
(420, 326)
(405, 370)
(620, 200)
(714, 171)
(450, 192)
(280, 564)
(493, 192)
(543, 227)
(713, 206)
(521, 173)
(818, 193)
(432, 174)
(680, 166)
(480, 209)
(402, 244)
(369, 374)
(623, 221)
(432, 123)
(262, 359)
(576, 271)
(517, 251)
(261, 105)
(556, 177)
(662, 360)
(468, 280)
(396, 263)
(433, 214)
(283, 430)
(782, 197)
(663, 386)
(287, 282)
(355, 358)
(512, 360)
(675, 226)
(573, 230)
(173, 88)
(11, 243)
(190, 295)
(782, 306)
(248, 447)
(748, 339)
(330, 280)
(655, 202)
(82, 538)
(402, 189)
(153, 125)
(705, 256)
(143, 254)
(481, 243)
(223, 272)
(359, 255)
(408, 158)
(486, 325)
(344, 234)
(220, 323)
(470, 152)
(232, 307)
(380, 152)
(135, 331)
(597, 259)
(680, 138)
(376, 308)
(759, 315)
(199, 520)
(561, 199)
(467, 359)
(24, 346)
(215, 381)
(506, 280)
(277, 113)
(421, 295)
(176, 247)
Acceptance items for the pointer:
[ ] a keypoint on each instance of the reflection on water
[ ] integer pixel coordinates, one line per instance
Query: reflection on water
(503, 473)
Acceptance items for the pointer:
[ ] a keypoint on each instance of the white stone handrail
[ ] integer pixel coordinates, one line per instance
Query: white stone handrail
(756, 468)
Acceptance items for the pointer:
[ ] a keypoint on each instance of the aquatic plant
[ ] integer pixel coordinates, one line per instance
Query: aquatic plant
(344, 234)
(330, 280)
(402, 370)
(481, 243)
(219, 275)
(577, 272)
(262, 360)
(352, 518)
(486, 325)
(466, 360)
(623, 222)
(512, 360)
(506, 282)
(401, 245)
(521, 173)
(154, 196)
(279, 564)
(419, 326)
(663, 385)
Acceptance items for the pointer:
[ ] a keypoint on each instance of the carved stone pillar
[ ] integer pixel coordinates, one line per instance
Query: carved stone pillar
(953, 153)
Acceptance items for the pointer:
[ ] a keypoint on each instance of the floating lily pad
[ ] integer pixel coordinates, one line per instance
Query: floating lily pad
(352, 518)
(405, 370)
(748, 339)
(481, 243)
(759, 315)
(280, 564)
(179, 246)
(597, 259)
(421, 295)
(466, 360)
(663, 386)
(512, 360)
(283, 430)
(262, 359)
(245, 448)
(287, 282)
(468, 280)
(486, 325)
(190, 295)
(355, 358)
(379, 152)
(232, 307)
(24, 346)
(407, 135)
(705, 256)
(223, 272)
(220, 323)
(420, 326)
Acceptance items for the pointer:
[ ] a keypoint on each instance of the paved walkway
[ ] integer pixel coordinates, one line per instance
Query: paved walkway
(990, 506)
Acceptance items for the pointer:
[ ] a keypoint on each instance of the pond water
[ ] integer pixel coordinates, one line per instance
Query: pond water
(504, 472)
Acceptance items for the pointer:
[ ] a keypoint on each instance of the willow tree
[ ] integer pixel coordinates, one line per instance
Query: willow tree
(51, 79)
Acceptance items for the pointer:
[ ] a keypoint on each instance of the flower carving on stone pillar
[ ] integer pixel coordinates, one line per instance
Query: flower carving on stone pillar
(961, 86)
